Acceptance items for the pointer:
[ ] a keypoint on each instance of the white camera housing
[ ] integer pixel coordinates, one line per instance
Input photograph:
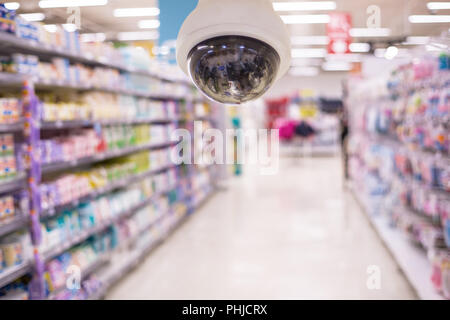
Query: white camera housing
(252, 19)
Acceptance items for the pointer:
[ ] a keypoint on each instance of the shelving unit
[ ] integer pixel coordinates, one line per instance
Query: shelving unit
(135, 257)
(11, 43)
(399, 166)
(411, 259)
(60, 166)
(31, 128)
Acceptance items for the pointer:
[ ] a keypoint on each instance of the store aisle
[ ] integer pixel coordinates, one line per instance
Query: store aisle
(296, 235)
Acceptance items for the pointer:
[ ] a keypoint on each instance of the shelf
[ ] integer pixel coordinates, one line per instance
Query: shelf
(411, 259)
(60, 166)
(111, 187)
(12, 184)
(204, 118)
(395, 143)
(49, 85)
(15, 44)
(423, 216)
(13, 225)
(52, 125)
(411, 180)
(83, 236)
(11, 274)
(61, 125)
(16, 80)
(11, 79)
(11, 128)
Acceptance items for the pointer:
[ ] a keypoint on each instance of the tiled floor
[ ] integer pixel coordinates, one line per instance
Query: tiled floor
(294, 235)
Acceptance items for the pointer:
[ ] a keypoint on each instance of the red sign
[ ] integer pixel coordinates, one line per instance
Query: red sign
(338, 31)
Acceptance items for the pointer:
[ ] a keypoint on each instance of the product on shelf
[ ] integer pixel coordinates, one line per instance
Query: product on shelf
(67, 188)
(202, 109)
(13, 206)
(17, 290)
(441, 273)
(7, 20)
(10, 110)
(98, 106)
(84, 143)
(87, 215)
(399, 161)
(69, 224)
(8, 166)
(82, 256)
(16, 250)
(7, 209)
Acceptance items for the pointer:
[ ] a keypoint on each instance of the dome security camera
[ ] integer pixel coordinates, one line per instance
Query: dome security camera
(233, 50)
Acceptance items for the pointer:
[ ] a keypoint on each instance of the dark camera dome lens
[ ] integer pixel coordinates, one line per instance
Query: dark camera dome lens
(233, 69)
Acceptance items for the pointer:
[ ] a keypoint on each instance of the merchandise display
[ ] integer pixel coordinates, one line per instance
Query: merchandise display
(90, 127)
(98, 106)
(10, 110)
(400, 163)
(8, 167)
(302, 123)
(299, 149)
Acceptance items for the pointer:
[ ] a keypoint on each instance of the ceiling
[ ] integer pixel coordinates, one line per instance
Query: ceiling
(394, 15)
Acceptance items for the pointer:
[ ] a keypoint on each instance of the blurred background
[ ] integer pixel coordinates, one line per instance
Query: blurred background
(93, 207)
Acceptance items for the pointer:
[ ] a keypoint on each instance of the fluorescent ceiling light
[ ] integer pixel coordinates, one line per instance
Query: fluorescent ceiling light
(71, 3)
(308, 53)
(12, 5)
(70, 27)
(309, 40)
(438, 5)
(391, 52)
(305, 18)
(134, 36)
(436, 47)
(136, 12)
(429, 18)
(439, 45)
(347, 57)
(149, 24)
(431, 48)
(92, 37)
(359, 47)
(304, 71)
(398, 53)
(52, 28)
(303, 62)
(416, 40)
(337, 66)
(370, 32)
(33, 16)
(304, 6)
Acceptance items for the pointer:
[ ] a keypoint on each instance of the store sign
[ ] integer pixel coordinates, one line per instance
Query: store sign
(338, 31)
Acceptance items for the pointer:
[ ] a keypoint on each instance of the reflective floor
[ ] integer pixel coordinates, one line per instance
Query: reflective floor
(294, 235)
